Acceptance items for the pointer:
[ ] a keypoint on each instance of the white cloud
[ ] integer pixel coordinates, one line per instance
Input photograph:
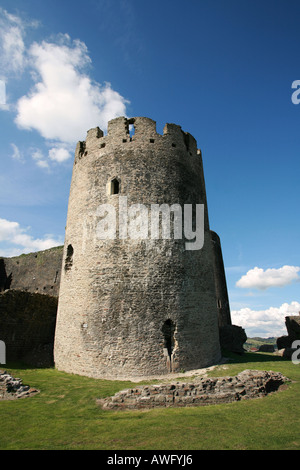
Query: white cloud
(21, 241)
(12, 47)
(265, 323)
(43, 164)
(64, 102)
(56, 154)
(13, 57)
(259, 279)
(2, 94)
(17, 155)
(39, 159)
(59, 154)
(37, 155)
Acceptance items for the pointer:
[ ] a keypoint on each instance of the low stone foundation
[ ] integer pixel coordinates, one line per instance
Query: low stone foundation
(11, 388)
(205, 391)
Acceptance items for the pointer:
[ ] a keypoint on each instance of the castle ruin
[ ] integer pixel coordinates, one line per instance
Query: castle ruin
(132, 306)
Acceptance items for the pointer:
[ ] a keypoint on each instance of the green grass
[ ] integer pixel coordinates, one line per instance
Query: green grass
(256, 342)
(64, 415)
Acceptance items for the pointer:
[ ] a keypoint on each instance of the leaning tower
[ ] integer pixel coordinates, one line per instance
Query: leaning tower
(130, 304)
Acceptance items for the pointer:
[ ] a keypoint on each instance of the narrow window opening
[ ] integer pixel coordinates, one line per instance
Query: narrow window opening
(69, 258)
(115, 186)
(151, 141)
(219, 303)
(131, 130)
(129, 126)
(173, 145)
(168, 330)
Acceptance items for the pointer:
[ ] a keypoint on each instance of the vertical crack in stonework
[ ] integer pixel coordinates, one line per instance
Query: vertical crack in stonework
(168, 330)
(69, 258)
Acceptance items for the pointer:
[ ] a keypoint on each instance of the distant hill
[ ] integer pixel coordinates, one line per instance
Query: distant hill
(257, 341)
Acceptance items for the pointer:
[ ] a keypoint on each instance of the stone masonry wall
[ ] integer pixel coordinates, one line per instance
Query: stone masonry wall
(220, 282)
(118, 298)
(27, 326)
(34, 272)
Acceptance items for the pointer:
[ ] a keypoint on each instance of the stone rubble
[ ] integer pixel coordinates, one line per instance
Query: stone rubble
(12, 388)
(206, 391)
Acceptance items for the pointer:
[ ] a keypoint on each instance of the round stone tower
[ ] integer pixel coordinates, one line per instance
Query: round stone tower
(137, 298)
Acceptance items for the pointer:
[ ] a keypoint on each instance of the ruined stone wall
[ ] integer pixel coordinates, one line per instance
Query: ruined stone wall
(34, 272)
(292, 324)
(12, 388)
(138, 307)
(27, 326)
(204, 391)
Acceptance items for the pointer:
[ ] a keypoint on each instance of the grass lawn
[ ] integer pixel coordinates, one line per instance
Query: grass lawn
(64, 415)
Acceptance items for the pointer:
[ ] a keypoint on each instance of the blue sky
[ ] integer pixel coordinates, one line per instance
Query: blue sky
(223, 70)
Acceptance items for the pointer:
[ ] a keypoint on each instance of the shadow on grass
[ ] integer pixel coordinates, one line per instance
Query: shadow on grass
(252, 357)
(21, 366)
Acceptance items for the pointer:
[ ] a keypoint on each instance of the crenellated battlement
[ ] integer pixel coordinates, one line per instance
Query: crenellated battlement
(120, 127)
(137, 130)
